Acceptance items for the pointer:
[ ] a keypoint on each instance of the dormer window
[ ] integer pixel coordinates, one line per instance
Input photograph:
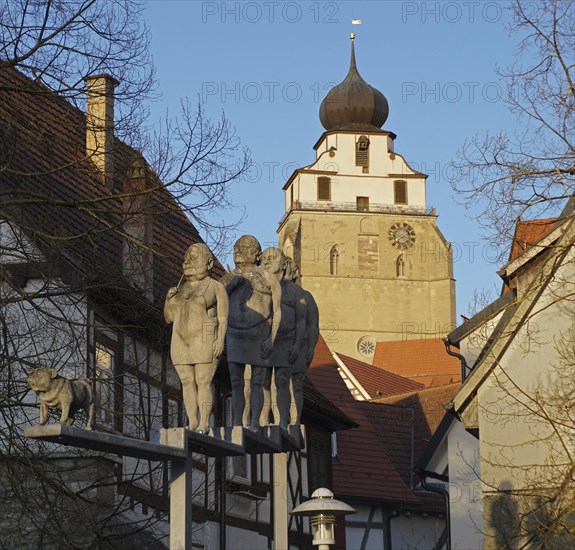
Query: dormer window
(362, 153)
(323, 188)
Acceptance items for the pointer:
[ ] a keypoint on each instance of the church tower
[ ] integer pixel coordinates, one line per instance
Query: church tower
(358, 227)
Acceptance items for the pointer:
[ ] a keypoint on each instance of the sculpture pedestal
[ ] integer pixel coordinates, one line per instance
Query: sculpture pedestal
(176, 445)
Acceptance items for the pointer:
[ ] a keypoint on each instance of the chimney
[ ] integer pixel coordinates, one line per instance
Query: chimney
(100, 124)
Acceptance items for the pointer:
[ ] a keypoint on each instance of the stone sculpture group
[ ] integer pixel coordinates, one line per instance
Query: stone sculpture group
(269, 324)
(256, 312)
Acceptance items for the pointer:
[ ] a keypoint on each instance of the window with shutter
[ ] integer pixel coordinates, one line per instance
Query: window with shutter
(323, 189)
(319, 459)
(362, 204)
(400, 191)
(362, 152)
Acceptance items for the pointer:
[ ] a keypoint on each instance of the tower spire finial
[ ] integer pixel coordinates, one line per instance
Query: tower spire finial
(352, 65)
(353, 103)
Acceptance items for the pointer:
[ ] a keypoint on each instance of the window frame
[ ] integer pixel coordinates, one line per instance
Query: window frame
(326, 181)
(362, 204)
(397, 186)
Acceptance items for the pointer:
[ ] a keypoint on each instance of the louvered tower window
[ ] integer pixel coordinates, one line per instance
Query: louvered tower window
(362, 153)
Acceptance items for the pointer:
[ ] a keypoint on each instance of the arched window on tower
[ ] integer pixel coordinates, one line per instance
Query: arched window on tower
(334, 260)
(400, 266)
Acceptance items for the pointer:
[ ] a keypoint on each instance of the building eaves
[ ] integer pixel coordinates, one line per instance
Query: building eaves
(512, 321)
(479, 319)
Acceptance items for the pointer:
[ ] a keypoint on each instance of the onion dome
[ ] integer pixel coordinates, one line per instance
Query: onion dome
(353, 104)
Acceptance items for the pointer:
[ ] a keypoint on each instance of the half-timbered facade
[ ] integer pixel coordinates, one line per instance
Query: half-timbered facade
(87, 253)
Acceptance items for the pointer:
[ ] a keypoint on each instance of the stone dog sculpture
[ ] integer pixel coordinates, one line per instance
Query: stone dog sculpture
(63, 394)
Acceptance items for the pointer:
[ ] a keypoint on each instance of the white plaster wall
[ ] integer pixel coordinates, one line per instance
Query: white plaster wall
(415, 532)
(521, 405)
(350, 182)
(408, 532)
(465, 499)
(471, 346)
(354, 535)
(238, 539)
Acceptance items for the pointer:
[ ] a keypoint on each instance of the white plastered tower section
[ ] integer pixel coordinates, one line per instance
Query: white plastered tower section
(359, 229)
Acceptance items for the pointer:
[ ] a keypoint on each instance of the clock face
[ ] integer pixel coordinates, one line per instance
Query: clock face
(402, 235)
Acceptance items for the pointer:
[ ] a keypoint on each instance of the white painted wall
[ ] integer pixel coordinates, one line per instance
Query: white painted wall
(520, 405)
(465, 499)
(349, 182)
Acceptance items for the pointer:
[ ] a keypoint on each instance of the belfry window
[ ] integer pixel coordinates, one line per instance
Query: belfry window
(362, 152)
(323, 188)
(400, 191)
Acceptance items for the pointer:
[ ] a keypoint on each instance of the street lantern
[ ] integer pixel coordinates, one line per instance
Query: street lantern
(322, 509)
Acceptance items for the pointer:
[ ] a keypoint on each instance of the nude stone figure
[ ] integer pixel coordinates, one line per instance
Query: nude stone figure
(289, 353)
(310, 341)
(255, 314)
(199, 311)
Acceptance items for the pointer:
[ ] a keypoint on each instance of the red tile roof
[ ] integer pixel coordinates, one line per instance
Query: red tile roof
(362, 468)
(378, 382)
(423, 361)
(527, 233)
(405, 423)
(57, 195)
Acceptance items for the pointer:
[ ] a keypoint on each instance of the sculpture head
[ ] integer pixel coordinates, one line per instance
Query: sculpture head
(247, 250)
(197, 262)
(274, 261)
(39, 379)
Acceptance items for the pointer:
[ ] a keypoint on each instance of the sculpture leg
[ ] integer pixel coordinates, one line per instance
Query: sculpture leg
(90, 414)
(274, 402)
(282, 379)
(259, 376)
(190, 393)
(297, 396)
(64, 417)
(238, 399)
(247, 396)
(43, 413)
(204, 376)
(267, 406)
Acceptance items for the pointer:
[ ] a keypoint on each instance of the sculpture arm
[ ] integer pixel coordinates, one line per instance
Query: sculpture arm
(222, 312)
(276, 291)
(312, 326)
(300, 328)
(168, 310)
(276, 307)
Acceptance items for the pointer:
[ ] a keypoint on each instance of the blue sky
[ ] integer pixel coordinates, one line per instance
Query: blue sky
(268, 65)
